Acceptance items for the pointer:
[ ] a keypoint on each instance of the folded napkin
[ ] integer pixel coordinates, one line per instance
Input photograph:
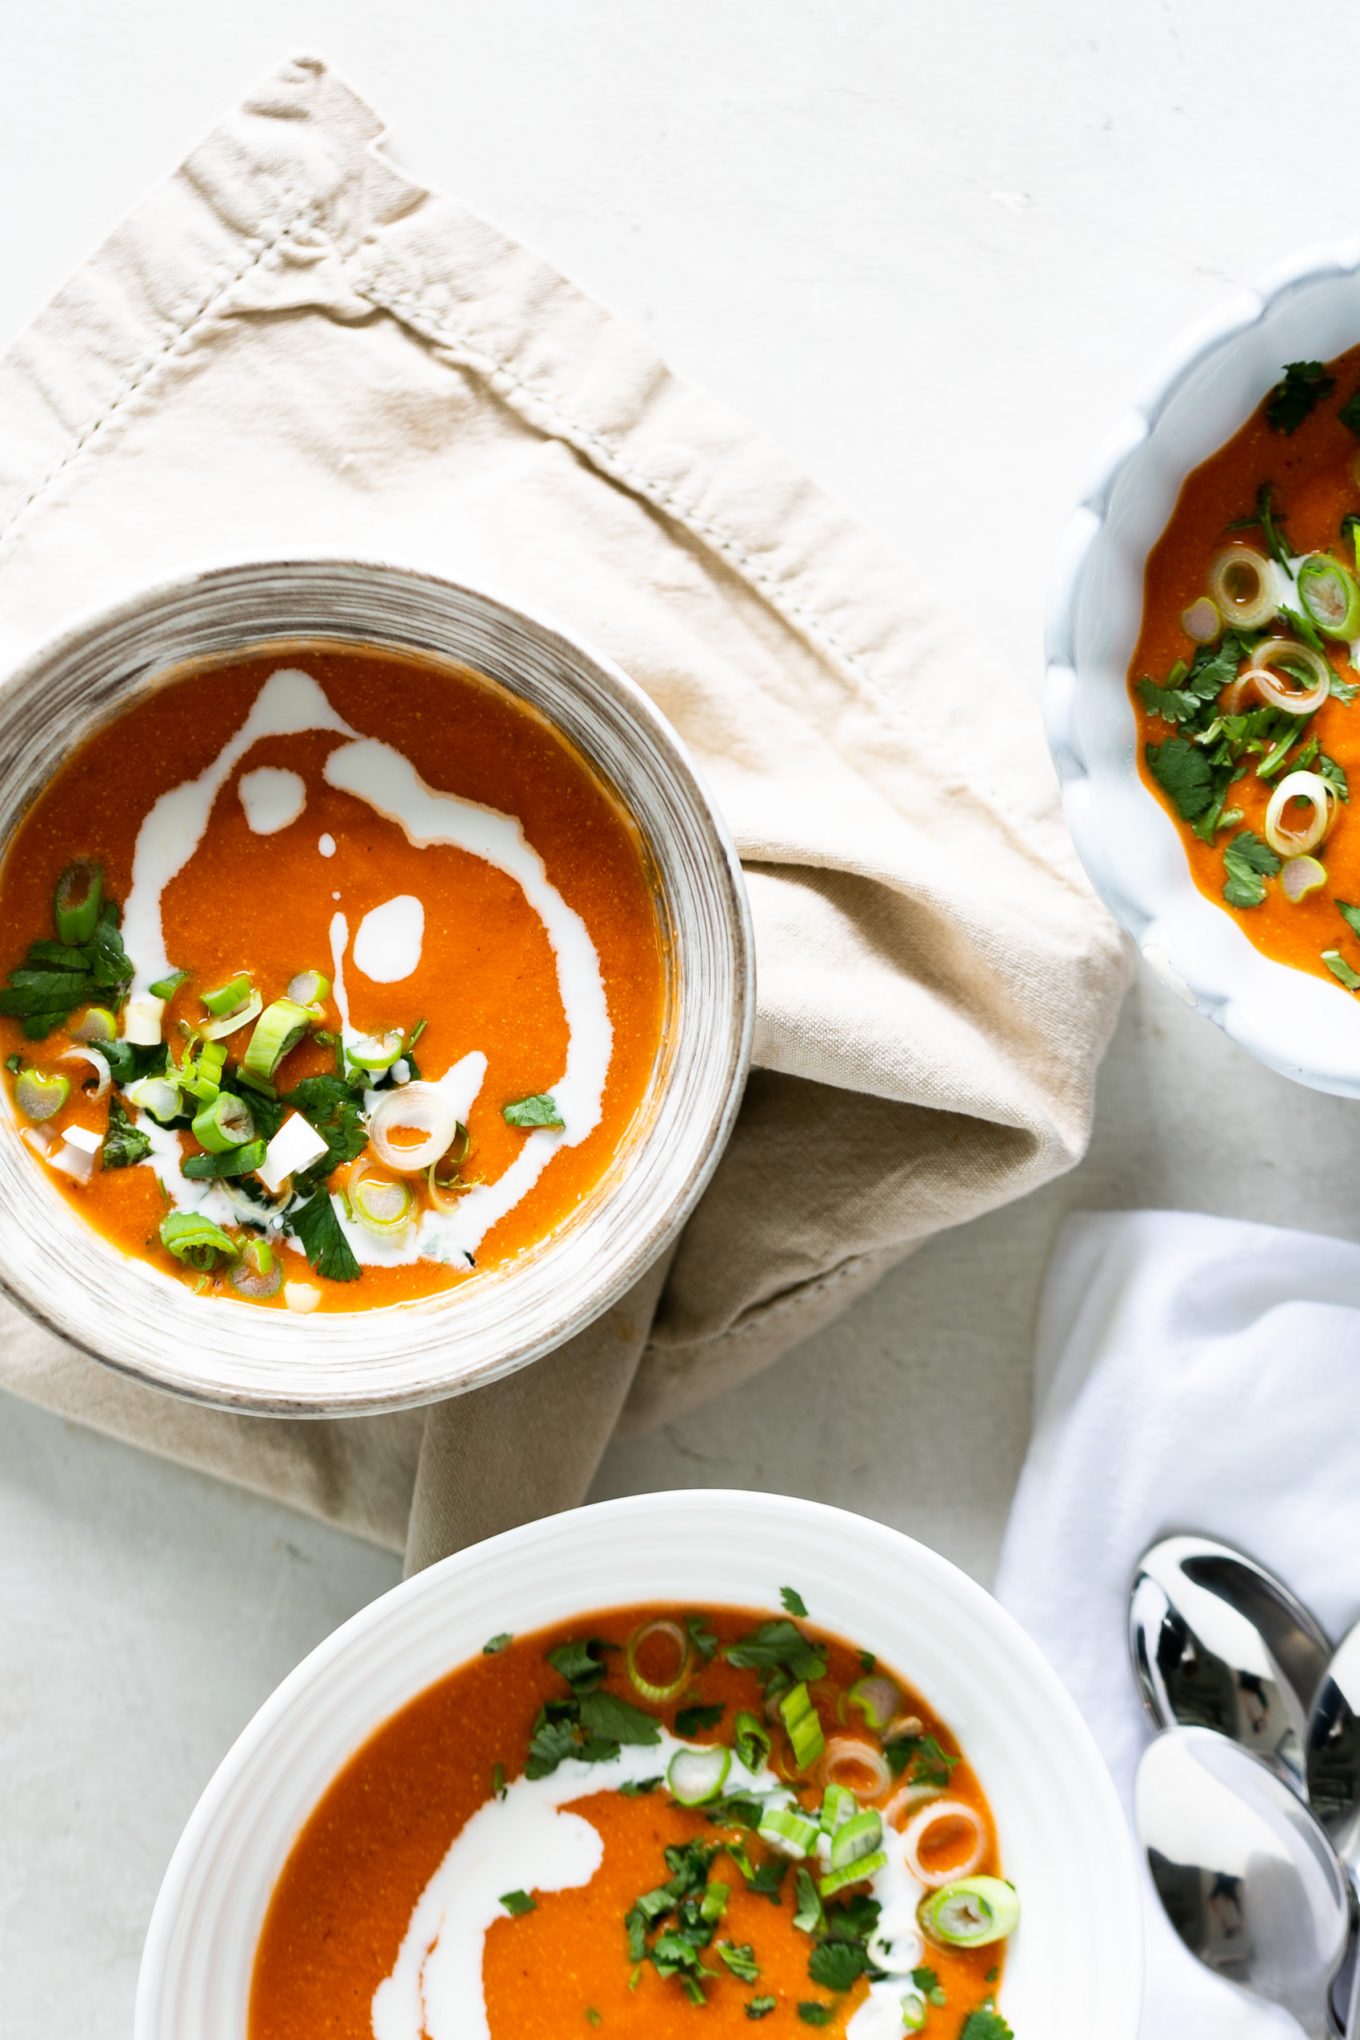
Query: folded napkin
(291, 348)
(1192, 1374)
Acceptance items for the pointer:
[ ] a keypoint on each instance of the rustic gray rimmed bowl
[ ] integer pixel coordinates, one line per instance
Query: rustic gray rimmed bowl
(141, 1321)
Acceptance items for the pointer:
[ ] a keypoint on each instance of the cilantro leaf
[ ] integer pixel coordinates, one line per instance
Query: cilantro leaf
(760, 2007)
(933, 1766)
(317, 1227)
(837, 1965)
(1341, 970)
(813, 2014)
(1350, 915)
(1334, 775)
(332, 1108)
(638, 1788)
(740, 1958)
(496, 1644)
(792, 1601)
(517, 1903)
(1349, 414)
(701, 1636)
(580, 1664)
(540, 1110)
(1302, 389)
(124, 1143)
(1343, 691)
(551, 1741)
(1248, 862)
(604, 1714)
(1184, 775)
(1172, 704)
(777, 1647)
(692, 1720)
(986, 2024)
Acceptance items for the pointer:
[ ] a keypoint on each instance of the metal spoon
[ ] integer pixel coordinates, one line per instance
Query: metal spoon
(1334, 1775)
(1245, 1874)
(1219, 1643)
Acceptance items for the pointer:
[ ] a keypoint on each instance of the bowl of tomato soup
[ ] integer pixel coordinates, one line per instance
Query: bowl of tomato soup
(376, 987)
(702, 1755)
(1203, 692)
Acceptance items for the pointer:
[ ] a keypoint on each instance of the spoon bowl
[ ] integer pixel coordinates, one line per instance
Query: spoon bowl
(1219, 1643)
(1245, 1874)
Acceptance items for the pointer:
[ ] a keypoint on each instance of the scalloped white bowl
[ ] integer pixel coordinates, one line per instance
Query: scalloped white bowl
(1075, 1967)
(1132, 850)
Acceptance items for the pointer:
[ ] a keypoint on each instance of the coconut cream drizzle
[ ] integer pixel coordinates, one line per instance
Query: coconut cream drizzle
(528, 1841)
(531, 1841)
(388, 938)
(272, 798)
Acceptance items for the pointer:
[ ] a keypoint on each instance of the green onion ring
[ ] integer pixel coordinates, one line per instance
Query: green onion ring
(696, 1776)
(658, 1694)
(38, 1096)
(217, 1030)
(380, 1203)
(230, 997)
(195, 1240)
(971, 1913)
(1329, 596)
(224, 1122)
(279, 1029)
(310, 988)
(77, 900)
(257, 1274)
(95, 1024)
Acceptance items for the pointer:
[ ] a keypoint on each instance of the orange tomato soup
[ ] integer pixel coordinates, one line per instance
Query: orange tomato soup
(348, 848)
(669, 1907)
(1251, 698)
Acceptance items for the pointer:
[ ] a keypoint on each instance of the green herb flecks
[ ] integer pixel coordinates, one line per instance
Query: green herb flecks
(517, 1903)
(1248, 863)
(539, 1110)
(986, 2024)
(1297, 395)
(691, 1721)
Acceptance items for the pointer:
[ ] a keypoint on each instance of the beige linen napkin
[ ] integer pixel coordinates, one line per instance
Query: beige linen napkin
(290, 348)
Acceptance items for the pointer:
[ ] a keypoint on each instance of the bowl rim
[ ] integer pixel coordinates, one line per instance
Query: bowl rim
(1140, 909)
(24, 1288)
(773, 1512)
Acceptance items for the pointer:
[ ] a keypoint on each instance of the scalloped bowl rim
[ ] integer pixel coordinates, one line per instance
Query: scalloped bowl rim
(1295, 1023)
(1074, 1968)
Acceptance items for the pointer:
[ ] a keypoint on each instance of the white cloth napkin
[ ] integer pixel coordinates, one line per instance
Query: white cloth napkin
(1192, 1373)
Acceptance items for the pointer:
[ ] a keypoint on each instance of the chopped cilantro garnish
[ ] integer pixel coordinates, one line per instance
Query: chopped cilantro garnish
(499, 1788)
(760, 2007)
(986, 2024)
(792, 1601)
(517, 1903)
(927, 1981)
(691, 1720)
(1248, 862)
(1341, 970)
(315, 1224)
(604, 1714)
(593, 2017)
(930, 1764)
(740, 1958)
(637, 1788)
(867, 1661)
(540, 1110)
(496, 1644)
(1184, 775)
(701, 1636)
(1343, 691)
(580, 1664)
(56, 977)
(124, 1143)
(813, 2014)
(1350, 915)
(1304, 385)
(1334, 775)
(332, 1108)
(777, 1650)
(837, 1965)
(1349, 414)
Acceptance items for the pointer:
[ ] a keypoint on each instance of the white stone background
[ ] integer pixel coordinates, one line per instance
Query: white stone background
(933, 247)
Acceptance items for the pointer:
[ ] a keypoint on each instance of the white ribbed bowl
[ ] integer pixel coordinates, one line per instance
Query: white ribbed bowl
(140, 1320)
(1075, 1966)
(1132, 849)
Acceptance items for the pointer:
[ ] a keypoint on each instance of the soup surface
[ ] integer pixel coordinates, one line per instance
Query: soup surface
(646, 1815)
(334, 976)
(1247, 669)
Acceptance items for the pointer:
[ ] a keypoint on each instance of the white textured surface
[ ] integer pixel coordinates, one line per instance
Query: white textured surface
(932, 249)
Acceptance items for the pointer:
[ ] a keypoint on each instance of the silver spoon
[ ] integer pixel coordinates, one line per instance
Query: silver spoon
(1245, 1874)
(1334, 1775)
(1219, 1643)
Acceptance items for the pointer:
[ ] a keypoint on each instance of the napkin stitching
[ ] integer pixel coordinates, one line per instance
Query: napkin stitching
(179, 331)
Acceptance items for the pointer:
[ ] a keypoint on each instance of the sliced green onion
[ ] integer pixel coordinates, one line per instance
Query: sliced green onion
(913, 2011)
(224, 1122)
(792, 1833)
(838, 1806)
(1301, 876)
(856, 1837)
(971, 1912)
(1291, 838)
(217, 1030)
(102, 1074)
(1201, 621)
(804, 1726)
(158, 1096)
(751, 1740)
(40, 1097)
(166, 987)
(1329, 596)
(658, 1691)
(377, 1052)
(77, 900)
(227, 998)
(310, 988)
(852, 1873)
(383, 1206)
(1242, 587)
(238, 1161)
(95, 1024)
(279, 1029)
(696, 1776)
(195, 1240)
(257, 1274)
(877, 1698)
